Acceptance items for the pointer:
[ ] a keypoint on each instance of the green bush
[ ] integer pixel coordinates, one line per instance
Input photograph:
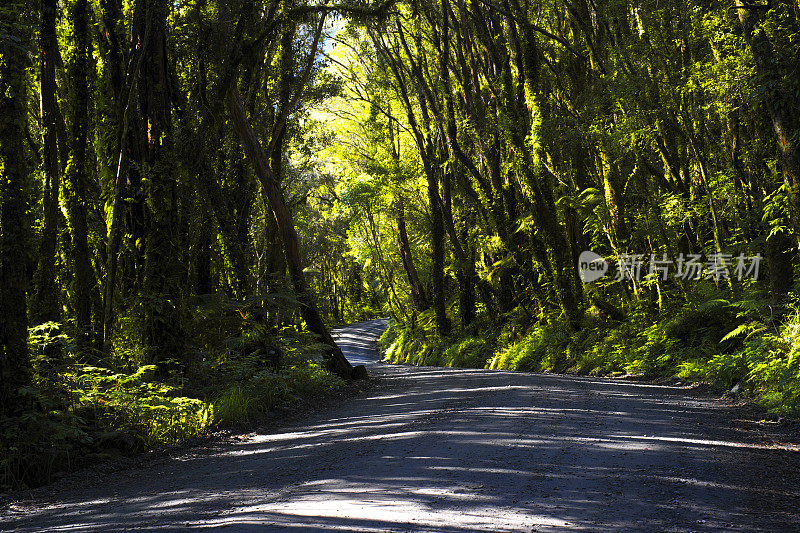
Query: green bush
(152, 411)
(90, 410)
(267, 391)
(767, 365)
(417, 346)
(526, 354)
(716, 341)
(469, 352)
(411, 346)
(234, 406)
(80, 412)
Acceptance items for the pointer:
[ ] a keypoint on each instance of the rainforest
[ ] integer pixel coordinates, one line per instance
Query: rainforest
(216, 215)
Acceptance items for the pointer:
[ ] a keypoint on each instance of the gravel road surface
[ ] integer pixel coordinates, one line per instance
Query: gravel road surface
(447, 450)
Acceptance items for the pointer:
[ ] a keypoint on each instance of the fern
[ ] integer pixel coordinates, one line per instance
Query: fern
(747, 330)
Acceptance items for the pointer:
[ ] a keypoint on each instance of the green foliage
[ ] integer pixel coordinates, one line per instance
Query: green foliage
(696, 343)
(469, 352)
(152, 411)
(415, 346)
(82, 413)
(46, 338)
(767, 365)
(544, 348)
(234, 406)
(411, 346)
(267, 391)
(87, 411)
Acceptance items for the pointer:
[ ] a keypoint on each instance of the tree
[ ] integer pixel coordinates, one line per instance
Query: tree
(45, 304)
(162, 275)
(77, 198)
(14, 239)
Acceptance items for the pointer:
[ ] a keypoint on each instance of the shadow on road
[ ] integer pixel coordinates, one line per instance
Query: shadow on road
(461, 451)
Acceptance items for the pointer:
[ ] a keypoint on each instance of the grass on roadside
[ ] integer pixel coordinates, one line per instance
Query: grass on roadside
(719, 342)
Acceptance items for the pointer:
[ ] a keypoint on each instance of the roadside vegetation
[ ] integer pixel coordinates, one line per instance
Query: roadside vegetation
(243, 374)
(739, 345)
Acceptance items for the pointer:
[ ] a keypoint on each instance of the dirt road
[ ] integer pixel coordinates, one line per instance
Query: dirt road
(460, 451)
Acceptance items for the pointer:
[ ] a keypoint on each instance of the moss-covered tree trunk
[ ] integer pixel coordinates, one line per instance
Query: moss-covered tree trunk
(77, 197)
(538, 179)
(162, 273)
(14, 176)
(437, 256)
(782, 102)
(465, 265)
(782, 105)
(45, 299)
(123, 88)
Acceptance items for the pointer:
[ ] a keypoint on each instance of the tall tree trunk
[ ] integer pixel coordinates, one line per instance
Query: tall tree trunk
(239, 242)
(274, 268)
(234, 230)
(124, 94)
(536, 175)
(418, 297)
(273, 197)
(45, 305)
(465, 266)
(162, 272)
(437, 260)
(782, 103)
(78, 190)
(786, 128)
(14, 361)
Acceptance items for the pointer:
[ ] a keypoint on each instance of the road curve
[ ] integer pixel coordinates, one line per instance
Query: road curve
(449, 450)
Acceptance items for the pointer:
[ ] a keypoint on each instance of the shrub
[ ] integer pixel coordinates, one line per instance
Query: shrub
(716, 341)
(267, 391)
(234, 406)
(83, 412)
(469, 352)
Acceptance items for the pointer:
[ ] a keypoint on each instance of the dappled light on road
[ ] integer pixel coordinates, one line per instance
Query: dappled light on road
(463, 451)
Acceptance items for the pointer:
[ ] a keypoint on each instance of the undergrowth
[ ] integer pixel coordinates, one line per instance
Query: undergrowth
(79, 413)
(720, 342)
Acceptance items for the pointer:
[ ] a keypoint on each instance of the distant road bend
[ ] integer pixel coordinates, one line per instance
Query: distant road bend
(450, 450)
